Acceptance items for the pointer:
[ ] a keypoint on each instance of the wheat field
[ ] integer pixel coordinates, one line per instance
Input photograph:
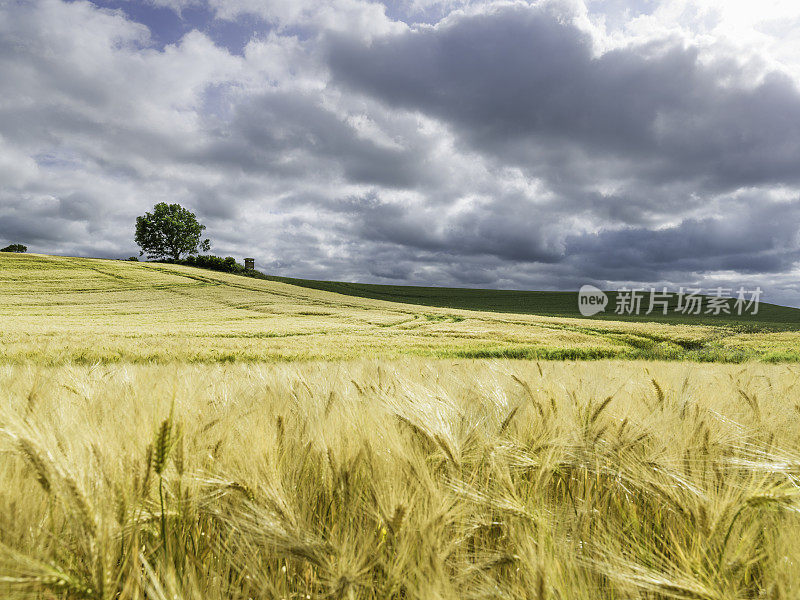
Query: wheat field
(400, 479)
(62, 310)
(174, 434)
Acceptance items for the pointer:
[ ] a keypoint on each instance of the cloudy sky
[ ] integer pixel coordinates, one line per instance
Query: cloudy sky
(511, 144)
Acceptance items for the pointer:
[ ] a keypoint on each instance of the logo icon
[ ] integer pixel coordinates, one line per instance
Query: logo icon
(591, 300)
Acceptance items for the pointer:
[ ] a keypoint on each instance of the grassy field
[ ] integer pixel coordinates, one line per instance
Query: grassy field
(168, 433)
(58, 310)
(415, 479)
(553, 304)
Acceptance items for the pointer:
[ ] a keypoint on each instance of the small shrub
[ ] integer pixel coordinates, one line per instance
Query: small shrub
(215, 263)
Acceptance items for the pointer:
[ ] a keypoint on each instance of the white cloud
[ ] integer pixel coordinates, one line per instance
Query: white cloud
(17, 168)
(355, 17)
(764, 35)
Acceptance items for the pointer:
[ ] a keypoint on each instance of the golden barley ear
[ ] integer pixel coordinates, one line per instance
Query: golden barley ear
(603, 405)
(35, 459)
(244, 489)
(121, 506)
(162, 446)
(752, 402)
(447, 450)
(32, 398)
(329, 404)
(280, 431)
(507, 421)
(524, 385)
(659, 392)
(82, 506)
(397, 519)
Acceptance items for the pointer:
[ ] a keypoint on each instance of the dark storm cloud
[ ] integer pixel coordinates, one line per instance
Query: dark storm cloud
(78, 207)
(758, 240)
(281, 126)
(507, 229)
(37, 229)
(523, 85)
(292, 135)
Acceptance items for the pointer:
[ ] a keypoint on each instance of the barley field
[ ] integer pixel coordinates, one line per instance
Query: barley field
(174, 434)
(62, 310)
(406, 479)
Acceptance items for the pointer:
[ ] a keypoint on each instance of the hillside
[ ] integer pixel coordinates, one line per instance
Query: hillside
(554, 304)
(138, 464)
(58, 310)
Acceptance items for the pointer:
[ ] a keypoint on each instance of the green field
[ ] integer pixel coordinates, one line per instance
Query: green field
(554, 304)
(61, 310)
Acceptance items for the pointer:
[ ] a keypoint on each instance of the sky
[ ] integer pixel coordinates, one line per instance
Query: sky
(497, 144)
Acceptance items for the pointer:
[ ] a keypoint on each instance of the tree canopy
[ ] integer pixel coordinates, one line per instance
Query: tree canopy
(14, 248)
(169, 232)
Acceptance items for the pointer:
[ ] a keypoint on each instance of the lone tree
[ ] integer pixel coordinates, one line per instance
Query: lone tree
(14, 248)
(170, 231)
